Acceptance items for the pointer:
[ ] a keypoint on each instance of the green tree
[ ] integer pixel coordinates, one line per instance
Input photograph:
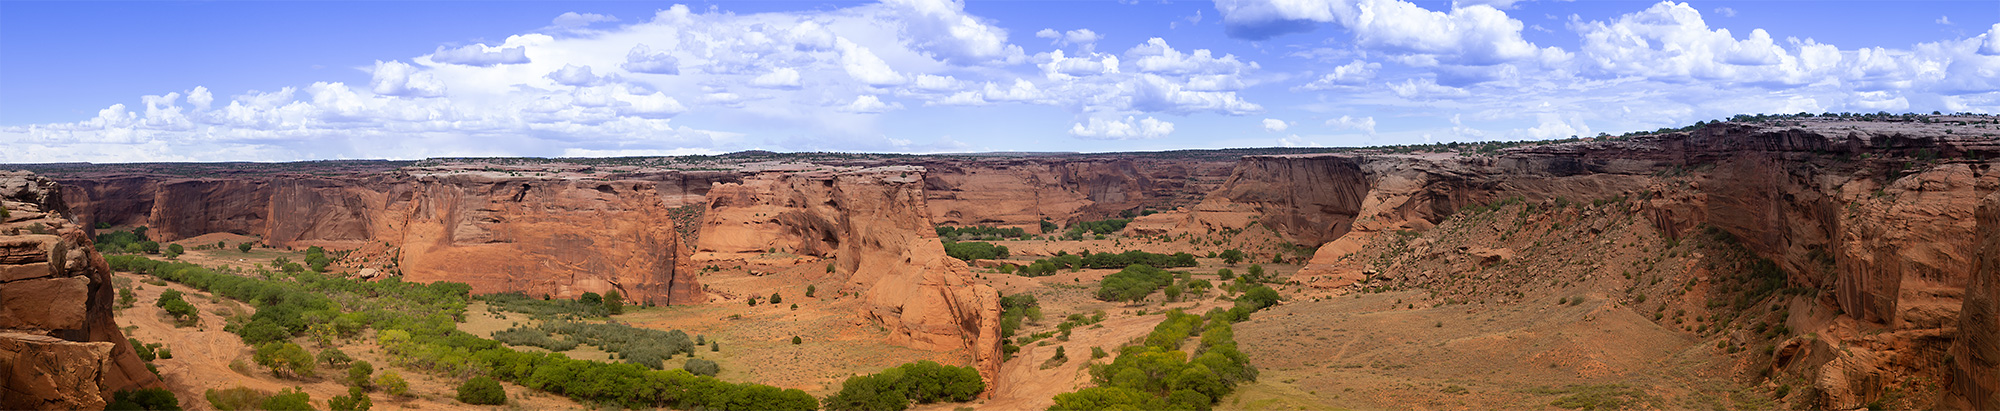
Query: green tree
(149, 247)
(1174, 292)
(810, 289)
(393, 383)
(183, 313)
(289, 399)
(244, 247)
(796, 340)
(482, 391)
(149, 399)
(1226, 274)
(361, 374)
(175, 250)
(1232, 256)
(334, 357)
(614, 303)
(775, 298)
(591, 299)
(285, 358)
(1257, 272)
(355, 400)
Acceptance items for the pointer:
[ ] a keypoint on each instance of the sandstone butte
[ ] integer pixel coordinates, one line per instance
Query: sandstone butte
(59, 346)
(1898, 221)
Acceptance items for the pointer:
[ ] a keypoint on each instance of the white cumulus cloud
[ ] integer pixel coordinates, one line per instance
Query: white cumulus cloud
(1275, 125)
(1114, 129)
(1363, 124)
(481, 55)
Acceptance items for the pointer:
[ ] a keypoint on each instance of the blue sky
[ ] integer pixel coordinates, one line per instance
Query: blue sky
(300, 80)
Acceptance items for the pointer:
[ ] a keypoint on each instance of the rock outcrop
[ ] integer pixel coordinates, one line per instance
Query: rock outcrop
(60, 348)
(873, 223)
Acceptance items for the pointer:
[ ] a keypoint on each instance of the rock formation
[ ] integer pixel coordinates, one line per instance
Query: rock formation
(873, 223)
(496, 231)
(1023, 192)
(1878, 214)
(1975, 355)
(59, 345)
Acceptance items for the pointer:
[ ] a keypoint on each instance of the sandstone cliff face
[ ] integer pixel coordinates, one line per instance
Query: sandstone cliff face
(499, 233)
(560, 237)
(1975, 355)
(60, 348)
(873, 223)
(1880, 216)
(1023, 192)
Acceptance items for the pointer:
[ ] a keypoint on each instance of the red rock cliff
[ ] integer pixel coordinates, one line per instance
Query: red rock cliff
(60, 348)
(1975, 355)
(1023, 192)
(1880, 215)
(873, 223)
(499, 233)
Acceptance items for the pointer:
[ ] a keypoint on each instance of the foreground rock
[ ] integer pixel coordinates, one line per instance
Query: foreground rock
(59, 345)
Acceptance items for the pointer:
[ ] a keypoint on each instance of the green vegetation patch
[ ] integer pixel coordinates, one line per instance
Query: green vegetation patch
(417, 328)
(895, 389)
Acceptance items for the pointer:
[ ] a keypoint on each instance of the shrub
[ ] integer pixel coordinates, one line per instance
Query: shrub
(334, 357)
(533, 337)
(482, 391)
(702, 367)
(355, 400)
(948, 233)
(975, 250)
(809, 287)
(1232, 256)
(243, 247)
(1133, 283)
(797, 341)
(613, 302)
(289, 399)
(154, 399)
(285, 358)
(234, 399)
(777, 299)
(360, 374)
(393, 383)
(923, 382)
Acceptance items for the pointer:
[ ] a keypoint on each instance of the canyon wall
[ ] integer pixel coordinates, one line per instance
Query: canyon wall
(495, 231)
(1022, 192)
(1975, 355)
(60, 348)
(558, 237)
(873, 223)
(1879, 215)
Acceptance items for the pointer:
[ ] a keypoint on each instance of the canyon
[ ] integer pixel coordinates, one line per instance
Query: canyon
(1885, 230)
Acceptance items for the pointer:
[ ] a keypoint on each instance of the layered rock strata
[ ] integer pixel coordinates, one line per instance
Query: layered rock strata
(873, 224)
(60, 348)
